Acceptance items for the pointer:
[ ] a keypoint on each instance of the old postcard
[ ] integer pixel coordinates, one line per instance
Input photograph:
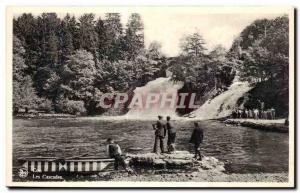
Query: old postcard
(150, 97)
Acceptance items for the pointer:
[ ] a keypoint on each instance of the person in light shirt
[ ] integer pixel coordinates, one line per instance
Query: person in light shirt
(114, 151)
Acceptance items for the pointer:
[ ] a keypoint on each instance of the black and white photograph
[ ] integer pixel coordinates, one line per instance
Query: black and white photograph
(150, 97)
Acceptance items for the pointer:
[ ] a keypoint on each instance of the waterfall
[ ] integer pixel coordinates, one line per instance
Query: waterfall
(158, 86)
(223, 104)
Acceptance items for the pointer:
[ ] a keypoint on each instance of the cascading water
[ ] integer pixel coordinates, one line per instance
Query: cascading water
(223, 104)
(217, 107)
(158, 86)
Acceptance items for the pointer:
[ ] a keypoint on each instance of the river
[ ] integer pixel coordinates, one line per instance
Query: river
(244, 150)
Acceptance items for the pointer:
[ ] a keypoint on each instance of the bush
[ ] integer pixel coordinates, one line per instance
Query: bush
(71, 107)
(75, 107)
(45, 105)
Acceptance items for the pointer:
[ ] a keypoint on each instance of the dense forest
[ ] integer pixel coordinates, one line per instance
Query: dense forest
(63, 65)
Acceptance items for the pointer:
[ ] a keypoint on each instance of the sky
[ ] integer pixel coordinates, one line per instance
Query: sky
(168, 27)
(216, 29)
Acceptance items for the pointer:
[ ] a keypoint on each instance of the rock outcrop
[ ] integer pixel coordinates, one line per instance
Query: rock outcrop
(177, 160)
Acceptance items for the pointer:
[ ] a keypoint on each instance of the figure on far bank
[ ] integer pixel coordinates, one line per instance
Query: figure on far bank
(197, 139)
(160, 133)
(262, 105)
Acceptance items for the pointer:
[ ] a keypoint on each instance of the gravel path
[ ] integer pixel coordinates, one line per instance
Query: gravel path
(205, 177)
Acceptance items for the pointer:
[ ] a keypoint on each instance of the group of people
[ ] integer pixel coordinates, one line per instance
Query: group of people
(254, 113)
(162, 129)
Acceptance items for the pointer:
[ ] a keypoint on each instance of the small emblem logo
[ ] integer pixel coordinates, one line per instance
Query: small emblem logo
(23, 172)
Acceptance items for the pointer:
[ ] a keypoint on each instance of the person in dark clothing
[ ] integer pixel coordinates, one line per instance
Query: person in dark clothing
(114, 151)
(171, 135)
(196, 139)
(160, 133)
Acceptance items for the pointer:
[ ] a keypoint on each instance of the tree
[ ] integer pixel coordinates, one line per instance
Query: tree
(277, 42)
(113, 24)
(277, 36)
(19, 65)
(74, 30)
(102, 44)
(66, 39)
(134, 36)
(261, 55)
(257, 30)
(78, 77)
(25, 28)
(222, 70)
(73, 61)
(48, 81)
(48, 25)
(114, 31)
(265, 55)
(71, 107)
(24, 95)
(114, 76)
(50, 53)
(193, 67)
(154, 51)
(218, 53)
(87, 35)
(144, 70)
(193, 45)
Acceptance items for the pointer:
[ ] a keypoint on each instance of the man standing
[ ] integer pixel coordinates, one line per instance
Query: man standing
(171, 135)
(272, 112)
(262, 105)
(196, 139)
(160, 133)
(256, 113)
(114, 151)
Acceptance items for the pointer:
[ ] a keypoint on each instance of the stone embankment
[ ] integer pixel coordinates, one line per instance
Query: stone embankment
(277, 125)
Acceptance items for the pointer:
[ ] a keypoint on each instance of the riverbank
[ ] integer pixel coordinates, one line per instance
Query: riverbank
(175, 176)
(43, 115)
(181, 167)
(200, 176)
(276, 125)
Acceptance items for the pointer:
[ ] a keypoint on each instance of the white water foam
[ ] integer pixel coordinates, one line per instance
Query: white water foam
(223, 104)
(218, 107)
(158, 86)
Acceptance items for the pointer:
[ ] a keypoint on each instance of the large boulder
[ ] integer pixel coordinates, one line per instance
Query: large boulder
(177, 159)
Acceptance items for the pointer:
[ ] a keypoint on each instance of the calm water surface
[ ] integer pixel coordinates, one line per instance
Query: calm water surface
(244, 150)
